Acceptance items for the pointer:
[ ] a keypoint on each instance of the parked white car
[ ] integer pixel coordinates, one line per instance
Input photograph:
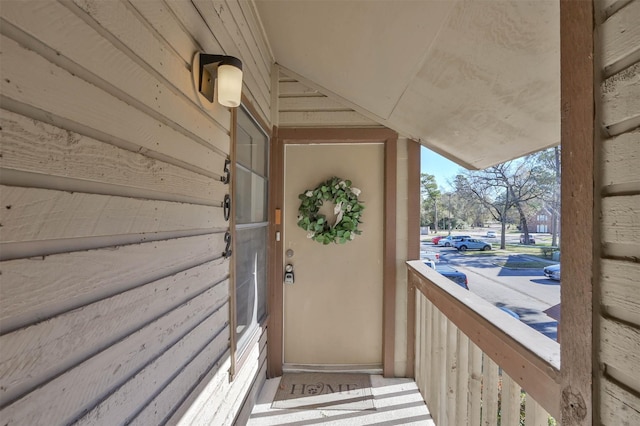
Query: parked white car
(491, 234)
(430, 255)
(448, 242)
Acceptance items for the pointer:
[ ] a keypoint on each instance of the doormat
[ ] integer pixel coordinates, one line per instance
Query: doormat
(327, 391)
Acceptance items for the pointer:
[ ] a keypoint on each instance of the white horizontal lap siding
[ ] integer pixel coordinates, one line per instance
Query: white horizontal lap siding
(325, 119)
(310, 103)
(621, 100)
(620, 36)
(619, 406)
(620, 296)
(621, 225)
(30, 82)
(216, 400)
(115, 290)
(620, 213)
(40, 214)
(75, 162)
(620, 159)
(123, 33)
(204, 347)
(66, 397)
(57, 344)
(35, 289)
(226, 24)
(302, 106)
(291, 88)
(214, 357)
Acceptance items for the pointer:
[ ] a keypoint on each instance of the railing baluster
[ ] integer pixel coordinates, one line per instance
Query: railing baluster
(427, 319)
(462, 380)
(535, 415)
(442, 369)
(510, 405)
(489, 392)
(417, 362)
(451, 371)
(475, 384)
(420, 336)
(434, 377)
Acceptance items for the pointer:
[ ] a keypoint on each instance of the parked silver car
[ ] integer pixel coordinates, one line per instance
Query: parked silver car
(471, 244)
(552, 272)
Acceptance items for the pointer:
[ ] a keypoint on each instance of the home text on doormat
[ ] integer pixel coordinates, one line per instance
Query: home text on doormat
(328, 391)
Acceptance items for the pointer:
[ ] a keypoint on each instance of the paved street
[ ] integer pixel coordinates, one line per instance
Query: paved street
(526, 292)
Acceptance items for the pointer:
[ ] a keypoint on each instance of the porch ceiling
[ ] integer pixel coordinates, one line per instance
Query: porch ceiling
(476, 80)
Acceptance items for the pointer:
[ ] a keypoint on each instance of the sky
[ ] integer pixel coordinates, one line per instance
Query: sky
(435, 164)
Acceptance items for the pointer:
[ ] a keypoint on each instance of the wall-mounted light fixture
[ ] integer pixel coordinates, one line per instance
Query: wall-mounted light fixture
(221, 74)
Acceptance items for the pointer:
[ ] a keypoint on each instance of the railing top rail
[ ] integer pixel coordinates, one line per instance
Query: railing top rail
(527, 356)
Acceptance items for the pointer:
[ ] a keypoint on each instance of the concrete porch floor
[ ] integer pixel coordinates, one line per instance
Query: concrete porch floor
(397, 402)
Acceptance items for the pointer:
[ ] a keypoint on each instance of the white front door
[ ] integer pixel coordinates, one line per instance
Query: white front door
(333, 310)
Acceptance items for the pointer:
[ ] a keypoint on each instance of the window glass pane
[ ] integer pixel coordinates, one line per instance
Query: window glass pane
(243, 146)
(258, 199)
(251, 277)
(250, 196)
(251, 145)
(243, 195)
(259, 158)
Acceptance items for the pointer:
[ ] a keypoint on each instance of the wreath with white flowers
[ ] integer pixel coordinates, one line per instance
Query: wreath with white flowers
(348, 210)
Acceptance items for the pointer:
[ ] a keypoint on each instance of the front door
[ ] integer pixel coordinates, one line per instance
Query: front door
(333, 309)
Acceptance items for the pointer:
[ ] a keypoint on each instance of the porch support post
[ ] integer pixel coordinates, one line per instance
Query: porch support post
(580, 236)
(389, 286)
(413, 246)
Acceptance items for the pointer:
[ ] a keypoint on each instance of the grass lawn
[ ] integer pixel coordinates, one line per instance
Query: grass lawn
(528, 250)
(515, 262)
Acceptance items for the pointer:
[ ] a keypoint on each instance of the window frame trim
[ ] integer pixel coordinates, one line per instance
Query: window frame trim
(240, 355)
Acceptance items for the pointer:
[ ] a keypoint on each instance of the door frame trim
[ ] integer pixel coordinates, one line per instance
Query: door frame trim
(299, 136)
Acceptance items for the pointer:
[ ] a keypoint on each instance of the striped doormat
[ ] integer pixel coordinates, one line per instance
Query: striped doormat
(327, 391)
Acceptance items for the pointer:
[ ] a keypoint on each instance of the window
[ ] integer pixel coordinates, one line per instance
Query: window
(251, 225)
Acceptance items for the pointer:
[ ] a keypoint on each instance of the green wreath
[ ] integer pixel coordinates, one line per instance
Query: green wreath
(347, 210)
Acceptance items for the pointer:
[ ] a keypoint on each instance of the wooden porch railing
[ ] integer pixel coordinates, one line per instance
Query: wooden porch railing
(472, 362)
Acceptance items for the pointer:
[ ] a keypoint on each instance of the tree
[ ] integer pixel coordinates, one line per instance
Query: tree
(430, 196)
(550, 160)
(489, 192)
(508, 185)
(526, 181)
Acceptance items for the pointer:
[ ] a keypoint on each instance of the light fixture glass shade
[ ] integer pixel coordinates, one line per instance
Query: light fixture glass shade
(229, 85)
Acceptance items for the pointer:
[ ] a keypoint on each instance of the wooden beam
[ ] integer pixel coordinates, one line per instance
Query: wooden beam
(578, 225)
(389, 284)
(413, 199)
(413, 245)
(344, 135)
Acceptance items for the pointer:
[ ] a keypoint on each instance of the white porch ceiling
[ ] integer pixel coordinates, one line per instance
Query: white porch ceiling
(476, 80)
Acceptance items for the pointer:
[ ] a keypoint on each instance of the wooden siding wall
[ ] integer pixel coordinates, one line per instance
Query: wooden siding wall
(300, 105)
(114, 295)
(618, 35)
